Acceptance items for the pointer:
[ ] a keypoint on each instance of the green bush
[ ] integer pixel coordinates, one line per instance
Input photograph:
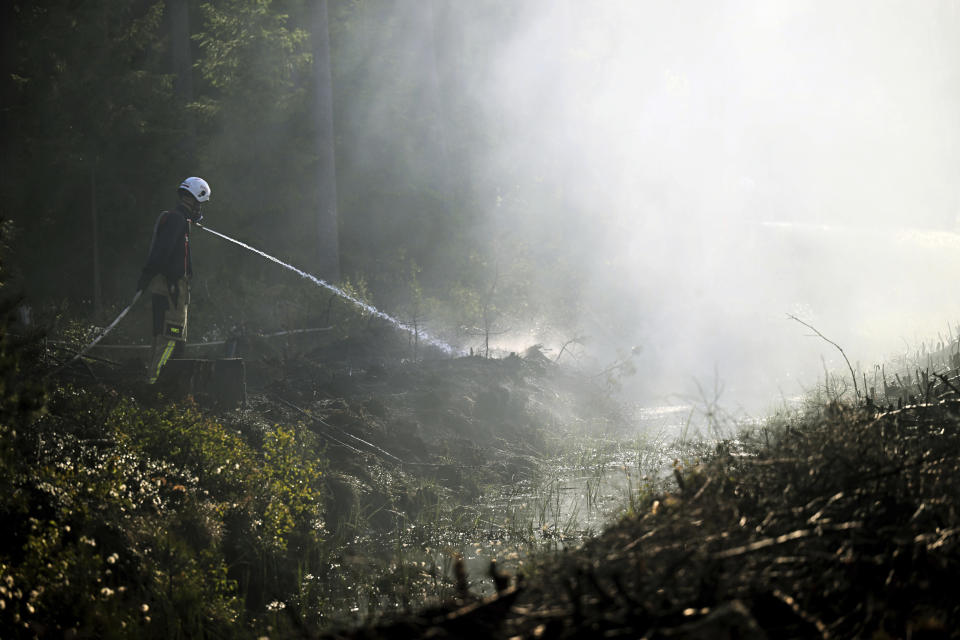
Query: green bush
(129, 522)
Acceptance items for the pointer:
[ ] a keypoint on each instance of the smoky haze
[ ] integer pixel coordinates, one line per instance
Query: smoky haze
(715, 166)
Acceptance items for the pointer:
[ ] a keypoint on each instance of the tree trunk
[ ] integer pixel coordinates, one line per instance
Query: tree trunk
(215, 384)
(434, 48)
(8, 97)
(329, 246)
(182, 63)
(95, 237)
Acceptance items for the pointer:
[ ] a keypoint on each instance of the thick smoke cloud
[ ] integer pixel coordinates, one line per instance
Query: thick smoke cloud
(728, 163)
(708, 167)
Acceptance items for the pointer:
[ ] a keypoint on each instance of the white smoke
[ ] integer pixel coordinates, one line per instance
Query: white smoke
(737, 161)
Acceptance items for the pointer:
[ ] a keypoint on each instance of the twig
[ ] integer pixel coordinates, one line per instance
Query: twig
(949, 384)
(323, 435)
(839, 348)
(574, 340)
(791, 602)
(787, 537)
(330, 426)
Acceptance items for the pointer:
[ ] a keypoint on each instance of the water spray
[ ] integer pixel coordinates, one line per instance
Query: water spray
(446, 348)
(319, 282)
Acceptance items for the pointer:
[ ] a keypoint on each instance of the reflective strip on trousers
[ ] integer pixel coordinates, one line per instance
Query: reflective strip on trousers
(167, 350)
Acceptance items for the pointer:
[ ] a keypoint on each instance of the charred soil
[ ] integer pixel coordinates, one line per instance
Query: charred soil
(839, 524)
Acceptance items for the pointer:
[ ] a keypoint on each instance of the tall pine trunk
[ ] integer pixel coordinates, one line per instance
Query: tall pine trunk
(182, 63)
(329, 247)
(433, 43)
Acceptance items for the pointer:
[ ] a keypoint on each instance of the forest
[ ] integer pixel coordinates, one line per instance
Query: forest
(508, 319)
(339, 138)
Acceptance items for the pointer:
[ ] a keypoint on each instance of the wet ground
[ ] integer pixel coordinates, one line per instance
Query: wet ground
(526, 508)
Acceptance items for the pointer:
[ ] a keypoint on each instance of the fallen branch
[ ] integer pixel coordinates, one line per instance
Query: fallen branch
(787, 537)
(947, 382)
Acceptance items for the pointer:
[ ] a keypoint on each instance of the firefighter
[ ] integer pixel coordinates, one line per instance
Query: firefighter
(168, 270)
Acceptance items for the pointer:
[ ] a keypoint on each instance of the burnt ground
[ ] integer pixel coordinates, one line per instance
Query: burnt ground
(466, 410)
(460, 423)
(841, 524)
(388, 424)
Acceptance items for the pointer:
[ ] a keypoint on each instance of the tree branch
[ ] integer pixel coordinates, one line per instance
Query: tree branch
(839, 348)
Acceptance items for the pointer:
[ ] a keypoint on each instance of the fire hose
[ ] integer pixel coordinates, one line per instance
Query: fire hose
(101, 336)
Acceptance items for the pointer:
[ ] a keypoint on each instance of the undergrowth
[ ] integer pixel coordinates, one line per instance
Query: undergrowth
(122, 521)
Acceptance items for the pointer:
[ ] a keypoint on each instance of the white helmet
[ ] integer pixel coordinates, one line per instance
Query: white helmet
(197, 187)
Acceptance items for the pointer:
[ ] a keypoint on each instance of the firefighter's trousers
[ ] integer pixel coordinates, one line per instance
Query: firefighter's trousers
(170, 302)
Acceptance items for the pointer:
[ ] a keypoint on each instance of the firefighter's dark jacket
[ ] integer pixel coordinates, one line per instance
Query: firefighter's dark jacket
(170, 248)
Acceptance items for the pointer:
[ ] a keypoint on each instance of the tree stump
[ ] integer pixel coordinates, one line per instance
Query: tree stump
(215, 384)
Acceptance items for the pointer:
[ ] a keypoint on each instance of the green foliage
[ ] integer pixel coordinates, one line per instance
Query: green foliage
(249, 48)
(107, 537)
(219, 460)
(292, 498)
(115, 552)
(22, 397)
(128, 522)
